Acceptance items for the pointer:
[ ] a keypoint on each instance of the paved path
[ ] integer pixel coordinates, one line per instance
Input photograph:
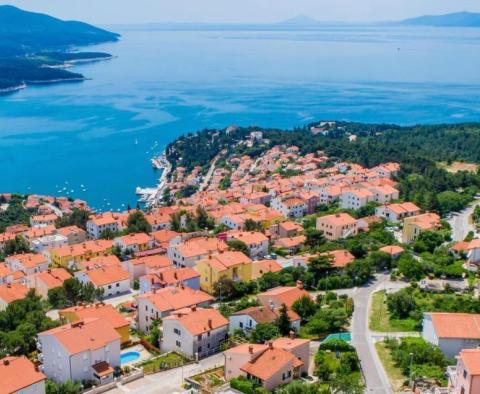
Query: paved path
(375, 376)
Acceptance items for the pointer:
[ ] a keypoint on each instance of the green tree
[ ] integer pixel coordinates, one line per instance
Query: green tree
(409, 267)
(314, 237)
(16, 246)
(68, 387)
(78, 217)
(238, 245)
(136, 223)
(264, 332)
(305, 307)
(73, 291)
(401, 304)
(224, 289)
(57, 297)
(283, 321)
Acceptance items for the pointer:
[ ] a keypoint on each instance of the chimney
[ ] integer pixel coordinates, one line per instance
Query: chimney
(250, 349)
(270, 344)
(6, 362)
(194, 308)
(300, 284)
(210, 324)
(291, 334)
(175, 275)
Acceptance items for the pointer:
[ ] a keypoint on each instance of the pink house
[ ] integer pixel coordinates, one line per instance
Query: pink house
(270, 365)
(465, 378)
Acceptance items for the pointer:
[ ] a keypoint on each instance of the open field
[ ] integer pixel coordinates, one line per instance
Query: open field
(457, 166)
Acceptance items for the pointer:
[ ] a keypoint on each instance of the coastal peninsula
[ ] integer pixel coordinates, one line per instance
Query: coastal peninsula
(43, 52)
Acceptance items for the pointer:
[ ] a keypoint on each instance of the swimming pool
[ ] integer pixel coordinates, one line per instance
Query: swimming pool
(346, 336)
(128, 357)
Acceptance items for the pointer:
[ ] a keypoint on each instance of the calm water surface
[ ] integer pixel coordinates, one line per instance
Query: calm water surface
(102, 132)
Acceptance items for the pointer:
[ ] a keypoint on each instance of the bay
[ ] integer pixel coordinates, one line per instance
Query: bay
(95, 139)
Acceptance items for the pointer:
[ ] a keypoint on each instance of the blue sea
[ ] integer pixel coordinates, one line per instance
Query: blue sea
(101, 133)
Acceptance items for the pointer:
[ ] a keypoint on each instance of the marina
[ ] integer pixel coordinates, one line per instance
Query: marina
(152, 196)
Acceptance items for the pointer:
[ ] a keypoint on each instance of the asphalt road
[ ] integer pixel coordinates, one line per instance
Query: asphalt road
(461, 223)
(374, 373)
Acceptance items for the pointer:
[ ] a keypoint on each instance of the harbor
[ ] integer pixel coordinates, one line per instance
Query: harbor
(152, 196)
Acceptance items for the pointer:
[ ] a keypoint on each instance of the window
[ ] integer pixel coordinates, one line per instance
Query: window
(118, 285)
(109, 286)
(178, 343)
(465, 373)
(177, 331)
(199, 337)
(240, 325)
(199, 350)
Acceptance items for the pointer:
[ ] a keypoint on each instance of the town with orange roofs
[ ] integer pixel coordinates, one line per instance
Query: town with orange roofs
(262, 265)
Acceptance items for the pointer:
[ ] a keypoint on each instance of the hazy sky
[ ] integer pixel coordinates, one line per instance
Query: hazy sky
(144, 11)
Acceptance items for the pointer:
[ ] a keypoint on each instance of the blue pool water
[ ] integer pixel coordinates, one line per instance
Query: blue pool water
(129, 357)
(101, 133)
(345, 336)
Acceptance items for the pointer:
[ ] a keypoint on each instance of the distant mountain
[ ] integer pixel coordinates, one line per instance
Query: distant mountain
(34, 47)
(459, 19)
(300, 21)
(23, 31)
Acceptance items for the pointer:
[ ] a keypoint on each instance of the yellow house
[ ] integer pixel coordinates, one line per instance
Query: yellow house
(414, 225)
(64, 255)
(101, 311)
(231, 264)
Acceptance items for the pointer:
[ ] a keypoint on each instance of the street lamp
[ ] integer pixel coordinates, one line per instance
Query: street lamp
(410, 370)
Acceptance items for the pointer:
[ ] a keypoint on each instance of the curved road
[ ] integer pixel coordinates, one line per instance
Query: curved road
(374, 373)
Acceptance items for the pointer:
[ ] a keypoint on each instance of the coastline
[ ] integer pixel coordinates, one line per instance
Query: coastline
(13, 89)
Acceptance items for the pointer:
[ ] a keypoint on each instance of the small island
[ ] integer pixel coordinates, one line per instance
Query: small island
(43, 52)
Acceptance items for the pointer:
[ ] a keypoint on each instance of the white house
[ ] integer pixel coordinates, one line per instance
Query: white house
(256, 242)
(134, 242)
(18, 375)
(197, 333)
(28, 263)
(247, 319)
(397, 212)
(355, 198)
(162, 302)
(452, 332)
(291, 207)
(102, 222)
(113, 279)
(86, 350)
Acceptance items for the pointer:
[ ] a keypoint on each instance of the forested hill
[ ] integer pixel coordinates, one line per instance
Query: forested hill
(26, 36)
(23, 32)
(419, 149)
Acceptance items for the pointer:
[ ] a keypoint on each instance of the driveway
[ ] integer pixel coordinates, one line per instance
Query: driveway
(374, 373)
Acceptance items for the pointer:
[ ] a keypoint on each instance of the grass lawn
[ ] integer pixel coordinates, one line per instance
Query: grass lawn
(380, 318)
(163, 362)
(395, 375)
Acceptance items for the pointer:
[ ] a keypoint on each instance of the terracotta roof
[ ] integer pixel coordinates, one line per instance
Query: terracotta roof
(340, 258)
(456, 325)
(95, 246)
(227, 259)
(270, 362)
(174, 298)
(170, 275)
(4, 270)
(17, 373)
(12, 292)
(249, 237)
(102, 311)
(152, 262)
(199, 320)
(134, 239)
(28, 260)
(471, 360)
(283, 295)
(106, 275)
(70, 230)
(425, 221)
(392, 249)
(402, 208)
(260, 267)
(54, 277)
(290, 242)
(201, 246)
(290, 226)
(339, 219)
(108, 260)
(263, 314)
(88, 334)
(288, 344)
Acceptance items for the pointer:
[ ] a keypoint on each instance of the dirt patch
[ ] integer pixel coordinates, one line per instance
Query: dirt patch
(457, 166)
